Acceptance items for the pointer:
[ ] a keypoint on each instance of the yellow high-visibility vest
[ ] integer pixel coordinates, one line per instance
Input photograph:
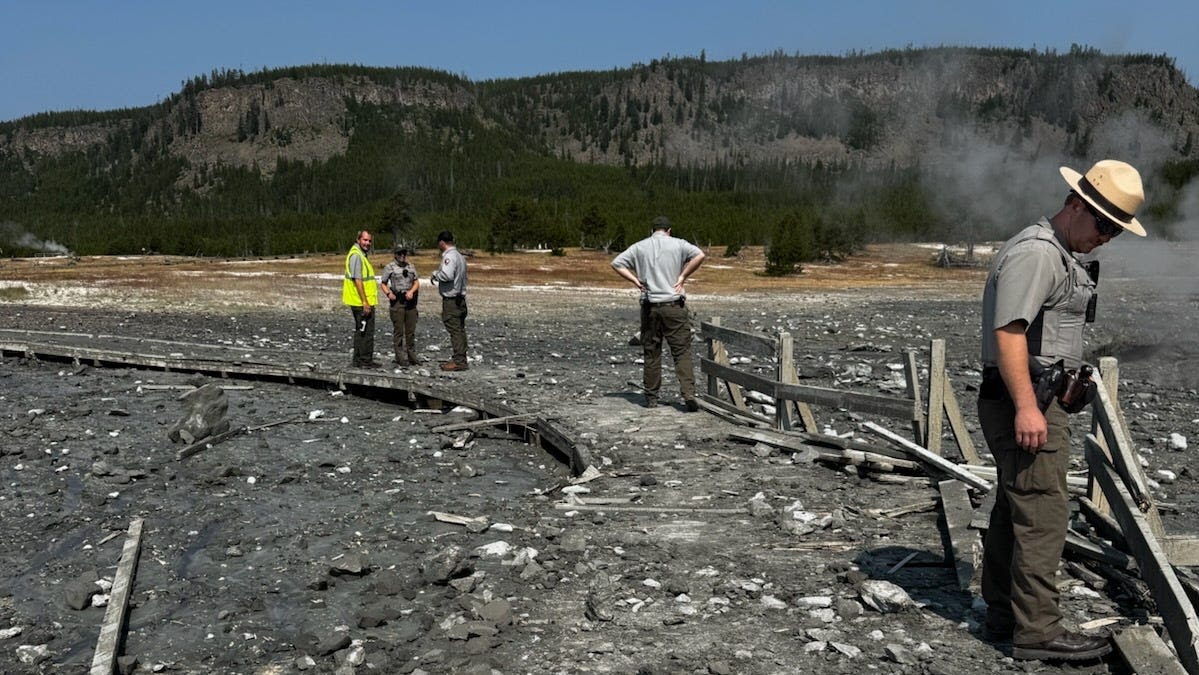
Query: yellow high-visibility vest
(349, 292)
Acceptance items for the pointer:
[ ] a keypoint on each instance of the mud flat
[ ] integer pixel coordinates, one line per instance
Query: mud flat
(309, 545)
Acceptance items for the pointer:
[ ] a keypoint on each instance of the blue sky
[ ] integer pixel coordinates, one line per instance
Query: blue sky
(61, 55)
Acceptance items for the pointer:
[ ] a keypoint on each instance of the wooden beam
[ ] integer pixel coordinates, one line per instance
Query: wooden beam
(487, 422)
(1109, 376)
(963, 546)
(936, 395)
(722, 407)
(1124, 457)
(564, 506)
(1171, 599)
(912, 371)
(784, 373)
(958, 424)
(1145, 652)
(1182, 550)
(936, 461)
(840, 456)
(205, 443)
(104, 660)
(753, 343)
(718, 353)
(871, 404)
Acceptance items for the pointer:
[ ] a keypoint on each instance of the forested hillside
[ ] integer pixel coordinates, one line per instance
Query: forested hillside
(813, 154)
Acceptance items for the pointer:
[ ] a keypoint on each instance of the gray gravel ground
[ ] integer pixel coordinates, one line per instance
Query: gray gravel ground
(243, 543)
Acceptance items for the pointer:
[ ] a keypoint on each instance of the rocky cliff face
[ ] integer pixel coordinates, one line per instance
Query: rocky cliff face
(902, 108)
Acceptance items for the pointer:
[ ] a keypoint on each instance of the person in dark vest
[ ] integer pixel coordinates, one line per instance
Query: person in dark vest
(1037, 299)
(401, 284)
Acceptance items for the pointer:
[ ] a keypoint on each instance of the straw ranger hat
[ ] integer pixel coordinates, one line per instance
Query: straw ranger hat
(1112, 187)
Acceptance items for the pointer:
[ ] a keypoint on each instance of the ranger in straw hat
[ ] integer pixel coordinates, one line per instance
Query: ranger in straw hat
(1037, 299)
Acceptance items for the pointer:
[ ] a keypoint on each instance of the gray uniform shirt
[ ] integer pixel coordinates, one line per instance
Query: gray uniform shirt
(657, 261)
(451, 276)
(1036, 280)
(398, 277)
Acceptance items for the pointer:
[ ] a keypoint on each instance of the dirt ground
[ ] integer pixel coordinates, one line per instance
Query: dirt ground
(309, 546)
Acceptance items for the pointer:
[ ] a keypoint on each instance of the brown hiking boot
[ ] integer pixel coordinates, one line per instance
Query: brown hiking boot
(453, 366)
(1068, 646)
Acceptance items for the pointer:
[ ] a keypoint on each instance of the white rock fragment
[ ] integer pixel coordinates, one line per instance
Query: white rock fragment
(652, 583)
(501, 527)
(848, 650)
(1166, 476)
(771, 602)
(9, 633)
(315, 414)
(884, 596)
(576, 489)
(31, 654)
(1178, 441)
(496, 549)
(814, 601)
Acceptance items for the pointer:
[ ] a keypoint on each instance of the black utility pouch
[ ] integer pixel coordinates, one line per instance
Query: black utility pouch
(1047, 382)
(1078, 389)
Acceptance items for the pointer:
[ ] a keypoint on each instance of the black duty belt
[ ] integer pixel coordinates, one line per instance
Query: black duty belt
(993, 387)
(678, 302)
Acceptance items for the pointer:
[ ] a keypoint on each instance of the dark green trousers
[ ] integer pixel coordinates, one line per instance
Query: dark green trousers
(1028, 525)
(670, 324)
(364, 338)
(453, 315)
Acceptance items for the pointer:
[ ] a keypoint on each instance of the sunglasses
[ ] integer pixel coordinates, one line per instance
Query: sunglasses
(1103, 225)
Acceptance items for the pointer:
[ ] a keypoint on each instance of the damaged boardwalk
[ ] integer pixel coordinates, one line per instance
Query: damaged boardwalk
(678, 542)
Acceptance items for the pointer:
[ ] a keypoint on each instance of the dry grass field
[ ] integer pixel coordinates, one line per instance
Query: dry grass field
(311, 281)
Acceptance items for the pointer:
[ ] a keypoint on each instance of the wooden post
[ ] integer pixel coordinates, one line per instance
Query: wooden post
(1175, 607)
(963, 544)
(785, 371)
(936, 395)
(958, 424)
(105, 659)
(1124, 457)
(713, 346)
(1109, 369)
(720, 355)
(919, 430)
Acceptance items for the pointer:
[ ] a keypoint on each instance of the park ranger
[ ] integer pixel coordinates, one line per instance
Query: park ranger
(1037, 299)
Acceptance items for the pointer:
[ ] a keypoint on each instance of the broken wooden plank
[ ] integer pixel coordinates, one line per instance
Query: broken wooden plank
(1181, 549)
(843, 454)
(897, 408)
(1109, 377)
(1092, 550)
(964, 548)
(483, 423)
(1124, 457)
(206, 443)
(911, 370)
(936, 396)
(957, 424)
(721, 407)
(899, 565)
(753, 343)
(112, 629)
(784, 372)
(189, 387)
(565, 506)
(936, 461)
(1145, 652)
(1172, 601)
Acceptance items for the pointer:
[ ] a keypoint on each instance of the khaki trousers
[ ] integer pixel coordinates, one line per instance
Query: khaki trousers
(672, 324)
(403, 336)
(1028, 525)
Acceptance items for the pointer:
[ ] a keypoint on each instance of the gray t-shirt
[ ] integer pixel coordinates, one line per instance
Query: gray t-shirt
(657, 261)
